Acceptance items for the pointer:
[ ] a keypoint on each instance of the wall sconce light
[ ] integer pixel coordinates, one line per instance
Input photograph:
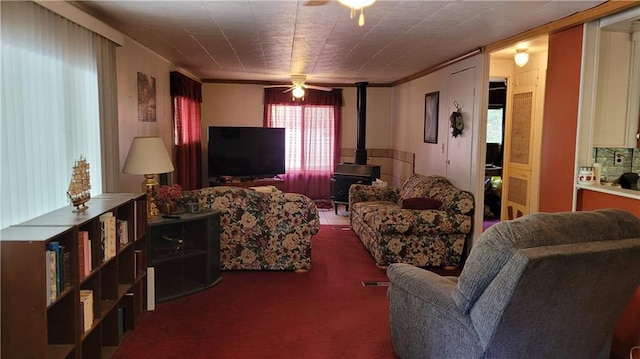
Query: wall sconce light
(148, 156)
(521, 57)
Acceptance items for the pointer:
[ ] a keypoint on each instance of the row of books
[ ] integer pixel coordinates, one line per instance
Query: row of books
(108, 227)
(58, 263)
(86, 308)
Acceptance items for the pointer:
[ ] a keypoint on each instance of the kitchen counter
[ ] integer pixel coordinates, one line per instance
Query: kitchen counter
(622, 192)
(597, 196)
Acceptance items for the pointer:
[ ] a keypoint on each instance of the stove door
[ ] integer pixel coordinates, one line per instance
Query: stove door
(341, 184)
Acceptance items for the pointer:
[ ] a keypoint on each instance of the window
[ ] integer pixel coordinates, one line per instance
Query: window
(50, 109)
(494, 125)
(310, 141)
(312, 134)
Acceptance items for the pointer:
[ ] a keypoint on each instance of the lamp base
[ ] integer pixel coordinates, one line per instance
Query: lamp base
(150, 187)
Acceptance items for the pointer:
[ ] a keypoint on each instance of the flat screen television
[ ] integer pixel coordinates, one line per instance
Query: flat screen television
(253, 152)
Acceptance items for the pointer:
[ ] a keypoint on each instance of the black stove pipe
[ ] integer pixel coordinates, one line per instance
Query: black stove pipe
(361, 118)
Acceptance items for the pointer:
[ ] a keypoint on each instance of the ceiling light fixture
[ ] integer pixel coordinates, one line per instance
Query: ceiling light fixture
(356, 5)
(521, 57)
(298, 91)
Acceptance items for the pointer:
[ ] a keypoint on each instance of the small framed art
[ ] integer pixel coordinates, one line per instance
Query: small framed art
(431, 103)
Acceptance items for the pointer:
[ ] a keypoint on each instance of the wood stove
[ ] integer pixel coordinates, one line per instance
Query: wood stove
(347, 174)
(359, 172)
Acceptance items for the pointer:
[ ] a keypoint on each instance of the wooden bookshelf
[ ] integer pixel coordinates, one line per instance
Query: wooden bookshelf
(35, 326)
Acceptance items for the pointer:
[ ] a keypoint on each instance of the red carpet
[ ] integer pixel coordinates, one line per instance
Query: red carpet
(325, 313)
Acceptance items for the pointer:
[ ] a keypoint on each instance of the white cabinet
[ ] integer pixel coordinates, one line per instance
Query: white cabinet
(617, 97)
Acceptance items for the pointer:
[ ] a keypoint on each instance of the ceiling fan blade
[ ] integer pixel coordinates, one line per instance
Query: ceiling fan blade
(316, 2)
(275, 86)
(287, 90)
(321, 88)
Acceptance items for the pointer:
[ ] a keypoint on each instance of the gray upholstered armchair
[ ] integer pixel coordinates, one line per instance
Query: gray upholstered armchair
(541, 286)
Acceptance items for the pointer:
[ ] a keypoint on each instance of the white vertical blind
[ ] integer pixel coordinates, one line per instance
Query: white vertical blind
(49, 109)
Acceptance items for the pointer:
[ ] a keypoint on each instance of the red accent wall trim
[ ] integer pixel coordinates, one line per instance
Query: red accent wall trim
(560, 121)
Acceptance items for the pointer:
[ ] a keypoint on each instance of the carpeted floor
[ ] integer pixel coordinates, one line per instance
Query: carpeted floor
(325, 313)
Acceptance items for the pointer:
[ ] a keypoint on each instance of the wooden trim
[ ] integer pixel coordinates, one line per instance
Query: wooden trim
(602, 10)
(437, 67)
(286, 83)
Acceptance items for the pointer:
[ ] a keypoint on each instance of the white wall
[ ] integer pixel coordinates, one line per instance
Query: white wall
(378, 117)
(407, 125)
(131, 59)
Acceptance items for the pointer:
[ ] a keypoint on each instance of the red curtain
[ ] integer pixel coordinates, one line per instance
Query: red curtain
(313, 138)
(187, 96)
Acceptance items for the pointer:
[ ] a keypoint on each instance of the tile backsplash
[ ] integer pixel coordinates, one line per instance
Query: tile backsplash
(616, 161)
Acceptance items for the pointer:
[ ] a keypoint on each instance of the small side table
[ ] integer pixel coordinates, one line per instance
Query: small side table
(185, 253)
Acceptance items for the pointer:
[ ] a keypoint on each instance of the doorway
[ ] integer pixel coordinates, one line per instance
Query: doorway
(516, 160)
(496, 117)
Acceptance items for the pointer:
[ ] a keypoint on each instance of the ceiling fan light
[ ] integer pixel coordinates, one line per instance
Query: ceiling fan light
(356, 4)
(521, 57)
(298, 92)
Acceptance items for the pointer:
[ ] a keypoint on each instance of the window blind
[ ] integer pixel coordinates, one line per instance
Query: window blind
(50, 113)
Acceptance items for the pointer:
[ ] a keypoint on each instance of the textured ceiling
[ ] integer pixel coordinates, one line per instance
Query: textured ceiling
(270, 40)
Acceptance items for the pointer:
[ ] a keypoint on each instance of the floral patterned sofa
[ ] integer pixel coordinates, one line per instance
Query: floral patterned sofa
(424, 223)
(262, 231)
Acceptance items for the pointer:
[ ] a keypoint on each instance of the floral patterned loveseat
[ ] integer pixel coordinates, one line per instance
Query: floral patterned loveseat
(262, 231)
(414, 234)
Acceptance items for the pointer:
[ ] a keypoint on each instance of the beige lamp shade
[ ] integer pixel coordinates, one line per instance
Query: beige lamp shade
(147, 155)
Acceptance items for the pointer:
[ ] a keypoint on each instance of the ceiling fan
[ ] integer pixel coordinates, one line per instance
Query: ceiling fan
(354, 5)
(298, 85)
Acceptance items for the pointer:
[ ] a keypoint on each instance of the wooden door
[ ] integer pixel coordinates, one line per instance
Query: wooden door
(519, 154)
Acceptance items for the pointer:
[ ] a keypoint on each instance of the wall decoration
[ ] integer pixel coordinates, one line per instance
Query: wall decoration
(431, 103)
(457, 121)
(146, 98)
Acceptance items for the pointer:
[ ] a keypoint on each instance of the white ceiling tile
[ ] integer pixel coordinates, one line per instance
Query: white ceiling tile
(268, 40)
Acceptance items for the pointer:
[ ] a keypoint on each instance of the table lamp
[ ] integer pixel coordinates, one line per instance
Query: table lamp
(148, 156)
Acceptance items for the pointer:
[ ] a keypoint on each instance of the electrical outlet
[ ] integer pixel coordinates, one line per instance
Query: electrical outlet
(618, 158)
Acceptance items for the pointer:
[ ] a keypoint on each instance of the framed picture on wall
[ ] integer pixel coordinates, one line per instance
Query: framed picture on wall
(431, 103)
(146, 98)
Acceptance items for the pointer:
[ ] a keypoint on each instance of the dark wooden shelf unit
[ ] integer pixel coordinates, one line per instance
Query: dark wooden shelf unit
(185, 253)
(33, 329)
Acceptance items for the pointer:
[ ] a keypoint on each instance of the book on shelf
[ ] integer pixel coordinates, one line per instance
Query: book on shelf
(66, 269)
(55, 247)
(84, 253)
(86, 300)
(123, 231)
(107, 236)
(82, 316)
(88, 257)
(50, 260)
